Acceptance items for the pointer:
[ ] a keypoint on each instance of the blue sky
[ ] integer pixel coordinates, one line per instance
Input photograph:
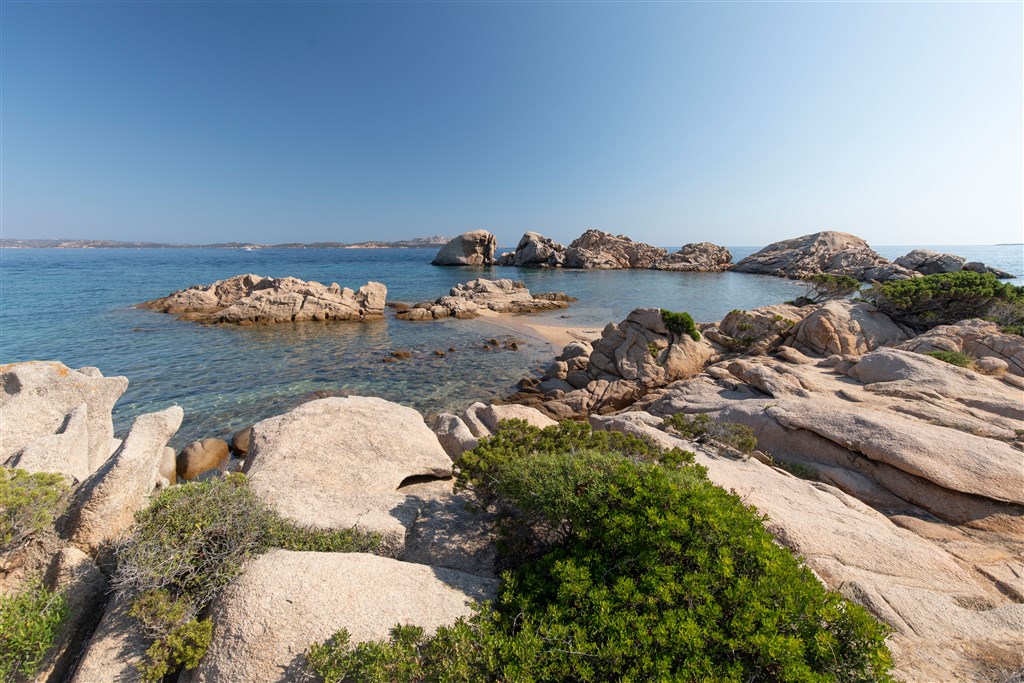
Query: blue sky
(739, 123)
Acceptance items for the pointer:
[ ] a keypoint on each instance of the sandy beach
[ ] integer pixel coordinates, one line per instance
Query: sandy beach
(555, 335)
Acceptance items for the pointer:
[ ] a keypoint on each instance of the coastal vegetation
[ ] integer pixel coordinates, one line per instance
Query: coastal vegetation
(29, 502)
(823, 287)
(957, 358)
(187, 545)
(29, 622)
(701, 428)
(947, 298)
(680, 324)
(643, 570)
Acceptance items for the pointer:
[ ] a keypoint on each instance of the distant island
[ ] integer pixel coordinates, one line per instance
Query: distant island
(10, 243)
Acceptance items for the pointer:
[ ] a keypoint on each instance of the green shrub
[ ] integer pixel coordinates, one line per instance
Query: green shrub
(702, 429)
(29, 623)
(654, 574)
(29, 502)
(957, 358)
(798, 469)
(947, 298)
(680, 324)
(827, 287)
(188, 544)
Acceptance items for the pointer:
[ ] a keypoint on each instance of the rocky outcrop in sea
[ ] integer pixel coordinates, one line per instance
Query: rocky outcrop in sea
(930, 262)
(249, 299)
(835, 253)
(474, 248)
(467, 300)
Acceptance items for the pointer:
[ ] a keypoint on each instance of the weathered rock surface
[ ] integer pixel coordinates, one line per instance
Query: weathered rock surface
(453, 435)
(84, 587)
(202, 456)
(929, 262)
(978, 267)
(535, 251)
(57, 419)
(978, 338)
(474, 248)
(285, 601)
(114, 493)
(341, 462)
(115, 650)
(501, 296)
(757, 330)
(248, 299)
(702, 257)
(602, 250)
(846, 328)
(837, 253)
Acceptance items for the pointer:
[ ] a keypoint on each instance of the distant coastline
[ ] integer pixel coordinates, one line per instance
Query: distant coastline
(416, 242)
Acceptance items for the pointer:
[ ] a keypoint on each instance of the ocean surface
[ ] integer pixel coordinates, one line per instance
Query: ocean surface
(77, 306)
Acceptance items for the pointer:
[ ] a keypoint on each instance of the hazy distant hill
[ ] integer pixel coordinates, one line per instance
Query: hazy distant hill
(434, 241)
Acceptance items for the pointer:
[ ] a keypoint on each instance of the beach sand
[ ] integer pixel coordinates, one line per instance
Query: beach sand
(555, 335)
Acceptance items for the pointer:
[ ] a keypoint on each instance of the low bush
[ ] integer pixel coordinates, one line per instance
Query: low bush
(947, 298)
(29, 502)
(957, 358)
(827, 287)
(701, 428)
(798, 469)
(188, 544)
(653, 573)
(680, 324)
(29, 623)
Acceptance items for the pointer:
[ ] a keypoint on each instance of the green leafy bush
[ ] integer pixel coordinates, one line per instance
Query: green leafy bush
(957, 358)
(29, 623)
(29, 502)
(654, 573)
(703, 429)
(680, 324)
(947, 298)
(827, 287)
(188, 544)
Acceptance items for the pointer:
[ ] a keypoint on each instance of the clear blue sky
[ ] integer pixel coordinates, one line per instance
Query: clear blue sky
(671, 122)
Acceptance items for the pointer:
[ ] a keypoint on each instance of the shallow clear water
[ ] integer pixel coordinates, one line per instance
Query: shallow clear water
(76, 306)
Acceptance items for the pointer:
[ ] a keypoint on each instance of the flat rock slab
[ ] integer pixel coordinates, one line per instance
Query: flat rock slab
(285, 601)
(339, 462)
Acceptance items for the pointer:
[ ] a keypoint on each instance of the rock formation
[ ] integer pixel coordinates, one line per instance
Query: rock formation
(284, 601)
(474, 248)
(202, 456)
(56, 419)
(700, 257)
(460, 433)
(534, 251)
(979, 338)
(248, 299)
(501, 296)
(337, 463)
(836, 253)
(602, 250)
(930, 262)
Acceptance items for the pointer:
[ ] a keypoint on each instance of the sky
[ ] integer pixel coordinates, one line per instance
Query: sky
(735, 123)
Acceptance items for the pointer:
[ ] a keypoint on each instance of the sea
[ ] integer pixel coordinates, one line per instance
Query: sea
(78, 306)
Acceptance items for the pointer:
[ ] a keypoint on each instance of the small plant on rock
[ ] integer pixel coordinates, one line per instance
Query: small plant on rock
(680, 324)
(703, 429)
(957, 358)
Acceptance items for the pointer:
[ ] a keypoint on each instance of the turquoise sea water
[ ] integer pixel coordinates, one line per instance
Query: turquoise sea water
(76, 306)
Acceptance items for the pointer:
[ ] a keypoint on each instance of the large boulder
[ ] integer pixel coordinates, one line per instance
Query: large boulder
(536, 251)
(337, 463)
(66, 411)
(285, 601)
(846, 328)
(112, 495)
(978, 267)
(202, 456)
(836, 253)
(929, 262)
(248, 299)
(699, 257)
(473, 248)
(601, 250)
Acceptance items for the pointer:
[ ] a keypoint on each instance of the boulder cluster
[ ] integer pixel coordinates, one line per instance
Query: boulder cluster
(467, 300)
(249, 299)
(929, 262)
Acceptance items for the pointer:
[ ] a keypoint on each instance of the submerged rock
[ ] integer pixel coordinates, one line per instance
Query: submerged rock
(836, 253)
(474, 248)
(248, 299)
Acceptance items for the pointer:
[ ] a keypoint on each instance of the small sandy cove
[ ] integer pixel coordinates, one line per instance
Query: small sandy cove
(557, 336)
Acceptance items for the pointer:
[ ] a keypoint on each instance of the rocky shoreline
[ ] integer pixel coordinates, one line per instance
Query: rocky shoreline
(893, 472)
